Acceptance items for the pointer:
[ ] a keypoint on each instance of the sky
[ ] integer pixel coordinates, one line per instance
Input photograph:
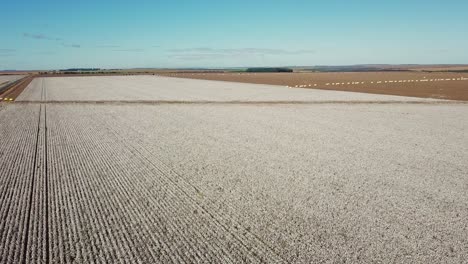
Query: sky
(182, 33)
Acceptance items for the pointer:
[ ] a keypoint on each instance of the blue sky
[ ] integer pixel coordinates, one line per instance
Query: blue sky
(125, 34)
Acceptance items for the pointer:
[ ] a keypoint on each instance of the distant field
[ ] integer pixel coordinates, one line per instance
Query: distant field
(12, 86)
(152, 88)
(4, 81)
(440, 85)
(440, 68)
(9, 78)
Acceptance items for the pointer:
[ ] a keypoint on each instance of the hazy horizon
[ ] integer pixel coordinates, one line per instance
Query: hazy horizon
(241, 67)
(210, 34)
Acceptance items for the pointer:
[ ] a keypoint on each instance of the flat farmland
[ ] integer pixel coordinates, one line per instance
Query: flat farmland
(226, 174)
(6, 79)
(440, 85)
(10, 78)
(14, 87)
(164, 89)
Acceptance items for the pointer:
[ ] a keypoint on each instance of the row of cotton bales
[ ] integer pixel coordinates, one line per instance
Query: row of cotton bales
(6, 99)
(345, 83)
(380, 82)
(304, 85)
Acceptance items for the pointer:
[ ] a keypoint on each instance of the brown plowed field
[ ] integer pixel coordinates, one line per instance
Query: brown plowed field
(416, 84)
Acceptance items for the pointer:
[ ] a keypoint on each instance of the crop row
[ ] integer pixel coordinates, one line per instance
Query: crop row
(21, 182)
(111, 203)
(232, 184)
(296, 179)
(83, 194)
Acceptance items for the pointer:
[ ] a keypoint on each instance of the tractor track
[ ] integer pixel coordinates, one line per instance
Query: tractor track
(202, 102)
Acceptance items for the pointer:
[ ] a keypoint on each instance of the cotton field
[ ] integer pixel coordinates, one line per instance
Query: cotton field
(151, 169)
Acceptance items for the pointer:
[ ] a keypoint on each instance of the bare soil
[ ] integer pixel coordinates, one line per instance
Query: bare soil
(414, 84)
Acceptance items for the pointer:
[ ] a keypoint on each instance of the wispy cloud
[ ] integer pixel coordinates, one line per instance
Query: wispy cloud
(40, 37)
(45, 53)
(123, 49)
(130, 50)
(7, 50)
(246, 51)
(196, 56)
(108, 46)
(191, 50)
(71, 45)
(204, 53)
(46, 37)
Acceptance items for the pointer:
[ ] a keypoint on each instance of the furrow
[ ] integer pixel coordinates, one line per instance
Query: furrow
(72, 231)
(187, 203)
(36, 245)
(94, 203)
(19, 142)
(152, 156)
(189, 237)
(107, 182)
